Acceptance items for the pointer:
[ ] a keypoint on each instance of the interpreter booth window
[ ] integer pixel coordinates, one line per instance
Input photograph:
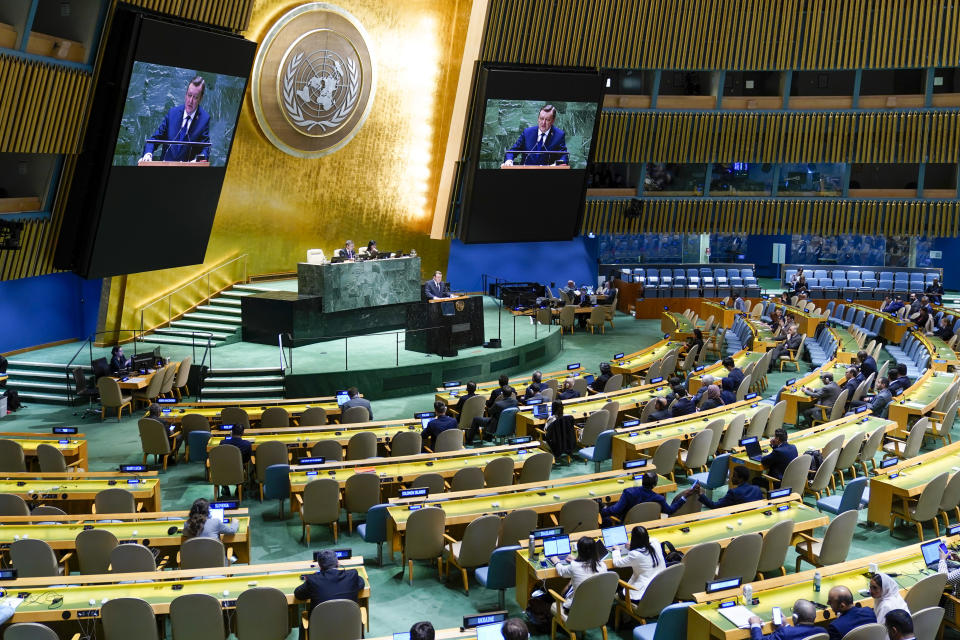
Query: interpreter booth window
(846, 249)
(741, 178)
(813, 179)
(648, 248)
(884, 180)
(728, 247)
(628, 82)
(607, 175)
(940, 176)
(675, 179)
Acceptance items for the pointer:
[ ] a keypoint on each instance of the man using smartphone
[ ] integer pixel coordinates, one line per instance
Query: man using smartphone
(804, 616)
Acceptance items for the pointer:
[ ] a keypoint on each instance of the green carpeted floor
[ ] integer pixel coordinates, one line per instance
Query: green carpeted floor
(394, 604)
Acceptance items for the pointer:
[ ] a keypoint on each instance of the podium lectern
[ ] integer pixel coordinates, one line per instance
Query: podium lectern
(444, 326)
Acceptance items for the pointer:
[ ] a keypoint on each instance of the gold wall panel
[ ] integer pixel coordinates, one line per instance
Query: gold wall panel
(721, 34)
(229, 14)
(381, 186)
(779, 137)
(933, 218)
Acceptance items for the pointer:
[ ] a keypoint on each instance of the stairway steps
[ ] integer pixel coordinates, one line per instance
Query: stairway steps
(244, 371)
(197, 325)
(216, 318)
(217, 391)
(53, 387)
(228, 310)
(227, 301)
(17, 374)
(216, 381)
(165, 339)
(26, 397)
(57, 366)
(200, 336)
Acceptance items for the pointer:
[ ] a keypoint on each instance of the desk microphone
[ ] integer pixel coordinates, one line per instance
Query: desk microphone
(172, 530)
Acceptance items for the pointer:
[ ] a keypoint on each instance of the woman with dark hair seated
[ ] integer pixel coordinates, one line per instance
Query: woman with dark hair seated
(644, 556)
(200, 525)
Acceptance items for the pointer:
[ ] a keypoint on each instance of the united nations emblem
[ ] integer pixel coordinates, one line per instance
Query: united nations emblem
(313, 80)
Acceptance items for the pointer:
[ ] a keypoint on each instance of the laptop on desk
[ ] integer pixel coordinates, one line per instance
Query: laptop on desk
(752, 445)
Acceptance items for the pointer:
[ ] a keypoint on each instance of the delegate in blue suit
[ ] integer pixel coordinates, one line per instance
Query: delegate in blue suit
(550, 141)
(187, 122)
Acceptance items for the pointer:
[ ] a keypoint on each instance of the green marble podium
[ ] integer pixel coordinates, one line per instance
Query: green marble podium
(361, 285)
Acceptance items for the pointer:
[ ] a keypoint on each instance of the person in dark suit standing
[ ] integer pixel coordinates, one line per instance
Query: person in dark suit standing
(734, 376)
(357, 401)
(825, 396)
(740, 490)
(782, 452)
(804, 619)
(507, 400)
(849, 616)
(329, 583)
(543, 138)
(435, 288)
(188, 122)
(438, 425)
(935, 291)
(462, 400)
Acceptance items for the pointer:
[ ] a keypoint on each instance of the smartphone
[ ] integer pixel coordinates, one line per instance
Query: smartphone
(943, 548)
(777, 617)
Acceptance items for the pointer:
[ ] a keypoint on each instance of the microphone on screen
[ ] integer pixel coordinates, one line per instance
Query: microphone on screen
(172, 530)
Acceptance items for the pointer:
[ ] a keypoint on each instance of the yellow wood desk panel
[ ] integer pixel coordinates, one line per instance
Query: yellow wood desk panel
(705, 620)
(77, 496)
(741, 358)
(74, 451)
(920, 398)
(635, 442)
(484, 388)
(722, 314)
(797, 400)
(212, 414)
(306, 437)
(38, 607)
(893, 329)
(636, 363)
(719, 525)
(912, 476)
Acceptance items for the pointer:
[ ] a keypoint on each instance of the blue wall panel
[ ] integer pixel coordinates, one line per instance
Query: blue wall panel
(46, 309)
(760, 251)
(543, 262)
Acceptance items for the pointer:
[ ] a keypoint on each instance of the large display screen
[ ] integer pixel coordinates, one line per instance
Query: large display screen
(147, 183)
(527, 155)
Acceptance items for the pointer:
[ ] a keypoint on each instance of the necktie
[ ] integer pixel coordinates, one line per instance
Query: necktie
(179, 151)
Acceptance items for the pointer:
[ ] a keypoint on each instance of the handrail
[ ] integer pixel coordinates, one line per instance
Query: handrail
(206, 274)
(286, 359)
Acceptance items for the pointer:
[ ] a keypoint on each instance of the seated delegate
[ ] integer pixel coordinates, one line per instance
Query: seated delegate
(740, 491)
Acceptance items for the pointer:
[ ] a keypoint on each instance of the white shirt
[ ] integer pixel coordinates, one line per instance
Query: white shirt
(187, 118)
(577, 572)
(542, 137)
(643, 568)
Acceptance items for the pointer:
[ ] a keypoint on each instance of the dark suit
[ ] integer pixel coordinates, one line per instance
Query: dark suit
(245, 446)
(171, 128)
(893, 307)
(877, 406)
(533, 389)
(852, 618)
(684, 406)
(437, 426)
(733, 380)
(710, 404)
(728, 397)
(529, 142)
(489, 424)
(600, 382)
(792, 343)
(632, 496)
(348, 254)
(777, 460)
(786, 633)
(901, 383)
(118, 364)
(663, 414)
(330, 584)
(737, 495)
(433, 289)
(569, 393)
(944, 333)
(868, 366)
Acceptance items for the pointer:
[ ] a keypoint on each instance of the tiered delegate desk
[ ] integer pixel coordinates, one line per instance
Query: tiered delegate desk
(705, 620)
(676, 325)
(847, 345)
(75, 492)
(893, 328)
(150, 529)
(630, 399)
(395, 471)
(450, 395)
(211, 410)
(73, 446)
(637, 442)
(547, 497)
(718, 525)
(160, 588)
(942, 357)
(920, 398)
(807, 322)
(817, 437)
(741, 359)
(907, 479)
(722, 314)
(636, 363)
(763, 336)
(794, 396)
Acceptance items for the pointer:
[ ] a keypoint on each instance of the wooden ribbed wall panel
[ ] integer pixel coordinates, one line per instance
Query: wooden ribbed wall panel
(41, 106)
(779, 137)
(764, 216)
(229, 14)
(720, 34)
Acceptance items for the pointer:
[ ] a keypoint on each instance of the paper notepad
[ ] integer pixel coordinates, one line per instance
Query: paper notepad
(738, 615)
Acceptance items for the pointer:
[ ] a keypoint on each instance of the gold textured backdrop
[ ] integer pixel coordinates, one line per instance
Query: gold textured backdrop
(381, 186)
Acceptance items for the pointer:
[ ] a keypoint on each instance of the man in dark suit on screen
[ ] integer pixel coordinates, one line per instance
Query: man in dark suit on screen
(543, 137)
(187, 122)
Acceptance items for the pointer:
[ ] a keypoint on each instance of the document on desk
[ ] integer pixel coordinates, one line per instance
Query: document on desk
(8, 606)
(738, 615)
